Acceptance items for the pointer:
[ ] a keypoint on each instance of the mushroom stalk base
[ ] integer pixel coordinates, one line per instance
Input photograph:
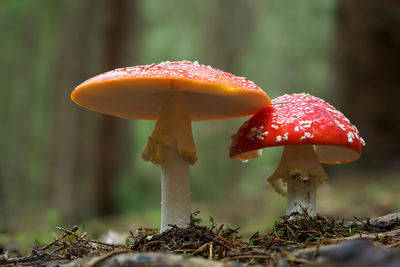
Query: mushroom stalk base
(175, 186)
(301, 193)
(301, 171)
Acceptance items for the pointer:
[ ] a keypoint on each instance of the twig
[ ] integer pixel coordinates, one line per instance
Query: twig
(152, 243)
(215, 240)
(95, 261)
(219, 229)
(210, 251)
(73, 229)
(240, 257)
(88, 240)
(290, 258)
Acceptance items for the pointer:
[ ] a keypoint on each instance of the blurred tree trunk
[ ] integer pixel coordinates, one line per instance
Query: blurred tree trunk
(88, 149)
(71, 132)
(113, 138)
(368, 56)
(21, 106)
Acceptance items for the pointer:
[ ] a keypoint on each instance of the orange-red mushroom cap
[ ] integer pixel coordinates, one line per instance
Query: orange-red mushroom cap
(300, 119)
(138, 92)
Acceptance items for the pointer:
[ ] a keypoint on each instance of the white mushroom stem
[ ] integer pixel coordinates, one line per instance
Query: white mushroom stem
(175, 190)
(172, 147)
(301, 193)
(301, 171)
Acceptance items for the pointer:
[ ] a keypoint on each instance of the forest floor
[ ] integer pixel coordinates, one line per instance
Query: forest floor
(318, 241)
(321, 241)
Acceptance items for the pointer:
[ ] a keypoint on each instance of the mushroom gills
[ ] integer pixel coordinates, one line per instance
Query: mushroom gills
(173, 129)
(297, 176)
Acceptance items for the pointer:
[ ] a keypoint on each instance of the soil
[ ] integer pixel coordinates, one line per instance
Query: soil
(318, 241)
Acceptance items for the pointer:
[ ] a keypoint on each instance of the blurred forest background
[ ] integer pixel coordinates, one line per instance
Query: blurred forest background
(61, 164)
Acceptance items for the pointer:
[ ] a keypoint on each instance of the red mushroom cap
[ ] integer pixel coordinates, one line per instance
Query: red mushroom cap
(138, 92)
(300, 119)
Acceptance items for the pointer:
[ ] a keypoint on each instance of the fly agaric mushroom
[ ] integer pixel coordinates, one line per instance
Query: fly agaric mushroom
(311, 131)
(174, 94)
